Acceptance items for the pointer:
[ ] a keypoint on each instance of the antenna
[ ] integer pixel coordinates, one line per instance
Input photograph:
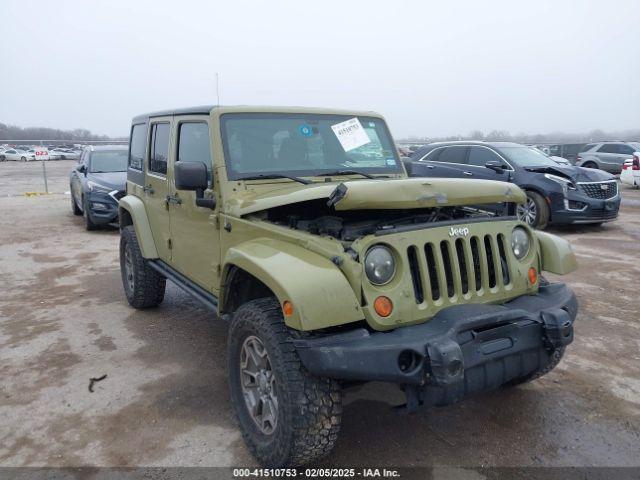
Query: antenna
(218, 87)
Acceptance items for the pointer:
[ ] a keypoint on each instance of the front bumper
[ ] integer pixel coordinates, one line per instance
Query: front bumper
(588, 210)
(463, 349)
(103, 207)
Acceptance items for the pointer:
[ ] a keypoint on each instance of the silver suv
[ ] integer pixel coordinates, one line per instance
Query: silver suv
(609, 156)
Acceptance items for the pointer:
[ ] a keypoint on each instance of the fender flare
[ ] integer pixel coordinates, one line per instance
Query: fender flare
(135, 207)
(556, 254)
(319, 291)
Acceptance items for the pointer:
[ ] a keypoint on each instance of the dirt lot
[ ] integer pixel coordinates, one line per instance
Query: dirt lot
(63, 320)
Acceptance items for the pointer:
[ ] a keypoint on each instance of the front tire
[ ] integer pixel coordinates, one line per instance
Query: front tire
(143, 286)
(287, 416)
(535, 211)
(24, 159)
(74, 206)
(590, 165)
(89, 224)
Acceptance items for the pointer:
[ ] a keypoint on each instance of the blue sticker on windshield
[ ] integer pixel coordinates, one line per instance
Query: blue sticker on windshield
(391, 161)
(305, 130)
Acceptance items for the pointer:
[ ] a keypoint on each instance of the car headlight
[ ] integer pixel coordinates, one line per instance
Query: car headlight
(520, 243)
(379, 265)
(96, 187)
(565, 183)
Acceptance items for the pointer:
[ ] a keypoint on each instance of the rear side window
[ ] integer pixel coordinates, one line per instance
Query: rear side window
(159, 148)
(587, 147)
(608, 148)
(625, 149)
(454, 155)
(193, 143)
(479, 156)
(137, 146)
(433, 155)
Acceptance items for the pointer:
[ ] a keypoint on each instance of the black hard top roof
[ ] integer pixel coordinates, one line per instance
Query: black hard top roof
(202, 109)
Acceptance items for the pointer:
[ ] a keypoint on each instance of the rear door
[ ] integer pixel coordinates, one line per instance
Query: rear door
(608, 154)
(195, 230)
(156, 186)
(444, 162)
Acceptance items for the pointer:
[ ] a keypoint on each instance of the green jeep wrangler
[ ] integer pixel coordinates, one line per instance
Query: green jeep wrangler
(301, 228)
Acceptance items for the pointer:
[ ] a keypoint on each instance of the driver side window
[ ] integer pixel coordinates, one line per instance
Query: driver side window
(194, 144)
(479, 156)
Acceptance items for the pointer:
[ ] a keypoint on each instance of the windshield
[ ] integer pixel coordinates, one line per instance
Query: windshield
(527, 157)
(306, 144)
(109, 161)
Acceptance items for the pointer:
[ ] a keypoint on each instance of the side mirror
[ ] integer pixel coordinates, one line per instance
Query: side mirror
(193, 176)
(495, 166)
(82, 168)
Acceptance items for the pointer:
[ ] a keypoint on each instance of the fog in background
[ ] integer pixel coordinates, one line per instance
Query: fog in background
(434, 69)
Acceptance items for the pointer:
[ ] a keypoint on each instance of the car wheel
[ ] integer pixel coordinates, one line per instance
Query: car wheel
(535, 211)
(24, 159)
(2, 158)
(74, 205)
(590, 165)
(62, 157)
(143, 286)
(287, 416)
(88, 223)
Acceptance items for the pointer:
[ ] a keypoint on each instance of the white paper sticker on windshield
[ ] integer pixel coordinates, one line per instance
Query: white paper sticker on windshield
(350, 134)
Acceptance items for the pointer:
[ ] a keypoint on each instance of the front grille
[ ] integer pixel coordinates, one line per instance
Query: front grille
(460, 267)
(118, 195)
(601, 190)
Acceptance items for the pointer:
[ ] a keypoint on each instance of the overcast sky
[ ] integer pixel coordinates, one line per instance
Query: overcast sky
(432, 68)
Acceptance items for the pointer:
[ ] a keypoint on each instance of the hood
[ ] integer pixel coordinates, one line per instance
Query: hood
(384, 194)
(112, 180)
(573, 173)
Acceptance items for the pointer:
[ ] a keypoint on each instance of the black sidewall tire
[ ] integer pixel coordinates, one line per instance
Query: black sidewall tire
(148, 285)
(542, 210)
(74, 205)
(88, 223)
(309, 407)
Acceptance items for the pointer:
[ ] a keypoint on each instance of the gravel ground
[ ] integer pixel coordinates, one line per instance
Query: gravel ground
(165, 402)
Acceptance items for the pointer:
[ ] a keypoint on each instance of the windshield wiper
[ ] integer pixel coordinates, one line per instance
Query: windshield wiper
(276, 175)
(349, 172)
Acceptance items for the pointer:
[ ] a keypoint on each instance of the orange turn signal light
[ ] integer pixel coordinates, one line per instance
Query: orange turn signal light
(533, 276)
(383, 306)
(287, 308)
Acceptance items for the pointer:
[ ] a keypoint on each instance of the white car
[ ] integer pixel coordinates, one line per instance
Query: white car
(16, 154)
(631, 171)
(64, 154)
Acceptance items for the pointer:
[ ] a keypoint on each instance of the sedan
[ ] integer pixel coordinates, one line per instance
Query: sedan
(556, 194)
(16, 154)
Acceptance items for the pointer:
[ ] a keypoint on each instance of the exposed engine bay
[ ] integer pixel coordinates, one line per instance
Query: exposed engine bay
(318, 218)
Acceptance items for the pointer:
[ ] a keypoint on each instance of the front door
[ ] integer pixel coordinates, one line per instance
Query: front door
(195, 231)
(156, 185)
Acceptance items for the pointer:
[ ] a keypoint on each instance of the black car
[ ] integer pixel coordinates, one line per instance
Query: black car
(97, 182)
(556, 194)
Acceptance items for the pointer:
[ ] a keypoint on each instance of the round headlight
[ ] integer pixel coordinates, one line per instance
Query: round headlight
(379, 265)
(520, 242)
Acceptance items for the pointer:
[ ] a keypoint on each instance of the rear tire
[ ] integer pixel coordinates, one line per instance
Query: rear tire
(143, 286)
(24, 159)
(535, 212)
(590, 165)
(308, 409)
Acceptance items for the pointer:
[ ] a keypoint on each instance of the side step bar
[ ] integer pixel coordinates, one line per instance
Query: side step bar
(209, 300)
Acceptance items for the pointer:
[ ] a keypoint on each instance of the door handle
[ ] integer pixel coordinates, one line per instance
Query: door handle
(430, 167)
(148, 189)
(468, 174)
(175, 200)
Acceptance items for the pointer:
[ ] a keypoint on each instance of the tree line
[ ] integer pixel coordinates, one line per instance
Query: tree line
(540, 138)
(12, 132)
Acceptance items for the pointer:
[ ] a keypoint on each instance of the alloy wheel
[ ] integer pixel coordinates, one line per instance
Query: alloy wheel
(258, 385)
(128, 268)
(528, 212)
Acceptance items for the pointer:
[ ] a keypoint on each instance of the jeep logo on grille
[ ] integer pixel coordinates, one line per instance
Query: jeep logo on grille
(604, 186)
(459, 232)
